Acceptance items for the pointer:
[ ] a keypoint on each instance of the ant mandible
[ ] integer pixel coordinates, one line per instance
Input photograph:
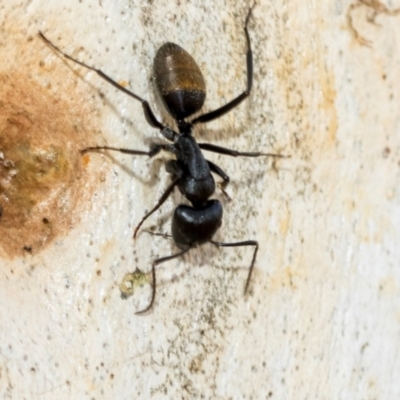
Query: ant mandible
(181, 88)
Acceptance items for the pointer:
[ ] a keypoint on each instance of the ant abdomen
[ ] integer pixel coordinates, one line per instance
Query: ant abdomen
(179, 81)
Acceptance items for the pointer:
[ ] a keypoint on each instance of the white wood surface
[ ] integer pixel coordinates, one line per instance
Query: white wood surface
(323, 317)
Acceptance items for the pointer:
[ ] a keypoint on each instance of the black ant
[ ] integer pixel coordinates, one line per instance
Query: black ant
(181, 88)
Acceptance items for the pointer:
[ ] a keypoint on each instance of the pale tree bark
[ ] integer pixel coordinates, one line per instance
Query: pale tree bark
(322, 319)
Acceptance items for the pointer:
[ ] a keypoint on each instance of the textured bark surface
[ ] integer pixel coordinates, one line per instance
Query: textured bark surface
(322, 320)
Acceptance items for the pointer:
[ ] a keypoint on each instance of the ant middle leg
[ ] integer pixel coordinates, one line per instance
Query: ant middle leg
(154, 150)
(234, 153)
(240, 244)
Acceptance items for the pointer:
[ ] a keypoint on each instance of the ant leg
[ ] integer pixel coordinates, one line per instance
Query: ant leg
(236, 101)
(239, 244)
(158, 205)
(153, 274)
(154, 149)
(217, 170)
(174, 168)
(234, 153)
(148, 112)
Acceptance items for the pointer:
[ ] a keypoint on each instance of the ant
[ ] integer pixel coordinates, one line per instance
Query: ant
(181, 88)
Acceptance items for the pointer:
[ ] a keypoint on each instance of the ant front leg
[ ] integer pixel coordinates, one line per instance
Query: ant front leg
(217, 170)
(240, 244)
(154, 149)
(153, 275)
(172, 167)
(160, 202)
